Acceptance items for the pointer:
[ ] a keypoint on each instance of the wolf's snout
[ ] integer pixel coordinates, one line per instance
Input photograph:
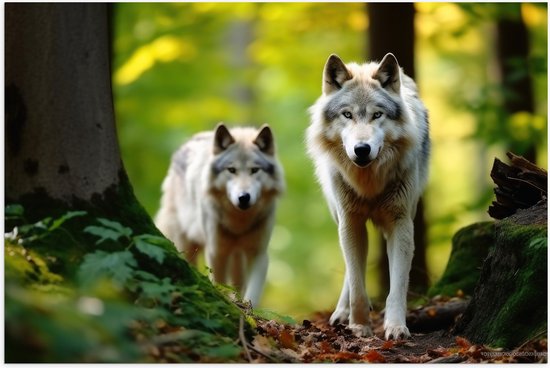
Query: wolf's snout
(362, 151)
(244, 201)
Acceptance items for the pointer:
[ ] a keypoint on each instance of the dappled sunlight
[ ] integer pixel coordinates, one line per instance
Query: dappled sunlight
(164, 49)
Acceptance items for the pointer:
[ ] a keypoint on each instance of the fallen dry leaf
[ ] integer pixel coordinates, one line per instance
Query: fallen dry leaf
(463, 343)
(374, 356)
(388, 344)
(286, 339)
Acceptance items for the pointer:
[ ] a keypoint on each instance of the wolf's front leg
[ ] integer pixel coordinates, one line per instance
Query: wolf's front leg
(353, 240)
(341, 313)
(217, 257)
(400, 248)
(256, 279)
(218, 264)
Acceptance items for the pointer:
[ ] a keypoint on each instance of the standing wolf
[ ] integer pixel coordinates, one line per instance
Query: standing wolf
(370, 144)
(220, 195)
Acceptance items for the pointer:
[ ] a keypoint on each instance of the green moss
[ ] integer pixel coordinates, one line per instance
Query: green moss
(509, 304)
(523, 315)
(470, 247)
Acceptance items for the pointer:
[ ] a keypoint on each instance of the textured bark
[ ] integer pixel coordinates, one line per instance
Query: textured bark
(60, 131)
(435, 318)
(519, 185)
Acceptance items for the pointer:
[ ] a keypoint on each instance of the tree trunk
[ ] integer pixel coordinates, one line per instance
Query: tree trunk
(391, 29)
(513, 65)
(59, 115)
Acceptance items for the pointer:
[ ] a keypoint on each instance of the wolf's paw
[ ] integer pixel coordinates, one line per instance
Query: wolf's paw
(397, 332)
(339, 316)
(360, 330)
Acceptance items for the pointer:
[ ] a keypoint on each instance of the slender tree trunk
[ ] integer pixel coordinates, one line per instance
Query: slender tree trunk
(391, 29)
(240, 36)
(60, 130)
(513, 64)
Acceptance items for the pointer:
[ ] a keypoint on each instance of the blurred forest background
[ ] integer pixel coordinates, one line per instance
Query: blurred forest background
(179, 68)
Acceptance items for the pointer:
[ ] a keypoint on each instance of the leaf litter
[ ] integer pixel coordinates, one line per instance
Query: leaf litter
(316, 341)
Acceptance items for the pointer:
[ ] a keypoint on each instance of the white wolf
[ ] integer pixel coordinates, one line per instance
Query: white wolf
(220, 194)
(369, 141)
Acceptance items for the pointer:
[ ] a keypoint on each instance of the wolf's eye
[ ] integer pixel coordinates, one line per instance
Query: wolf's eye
(347, 114)
(232, 170)
(376, 115)
(254, 170)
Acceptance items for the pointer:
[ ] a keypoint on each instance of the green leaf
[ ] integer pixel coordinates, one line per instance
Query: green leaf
(145, 276)
(43, 224)
(69, 215)
(103, 233)
(14, 210)
(110, 230)
(160, 290)
(123, 230)
(144, 245)
(269, 314)
(119, 266)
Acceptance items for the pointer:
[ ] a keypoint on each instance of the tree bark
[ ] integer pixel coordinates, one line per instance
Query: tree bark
(60, 131)
(520, 185)
(391, 29)
(513, 65)
(434, 318)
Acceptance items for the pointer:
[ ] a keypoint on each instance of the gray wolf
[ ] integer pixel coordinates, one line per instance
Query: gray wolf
(220, 195)
(369, 141)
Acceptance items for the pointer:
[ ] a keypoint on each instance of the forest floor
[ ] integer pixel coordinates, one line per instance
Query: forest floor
(315, 340)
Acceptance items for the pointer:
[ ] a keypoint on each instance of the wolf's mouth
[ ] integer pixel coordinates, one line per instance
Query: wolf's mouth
(244, 207)
(362, 163)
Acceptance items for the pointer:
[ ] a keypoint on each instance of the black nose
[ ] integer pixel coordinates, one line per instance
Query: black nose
(244, 201)
(362, 150)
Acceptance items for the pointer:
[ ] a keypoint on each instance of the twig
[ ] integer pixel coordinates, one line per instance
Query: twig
(534, 338)
(272, 359)
(243, 339)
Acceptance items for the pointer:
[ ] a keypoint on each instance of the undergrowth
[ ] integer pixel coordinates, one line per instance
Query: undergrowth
(85, 289)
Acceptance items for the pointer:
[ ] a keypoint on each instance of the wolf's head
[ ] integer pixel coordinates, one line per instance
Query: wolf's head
(245, 165)
(362, 107)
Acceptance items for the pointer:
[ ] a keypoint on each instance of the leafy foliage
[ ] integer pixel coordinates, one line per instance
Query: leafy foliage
(149, 245)
(117, 266)
(110, 230)
(121, 298)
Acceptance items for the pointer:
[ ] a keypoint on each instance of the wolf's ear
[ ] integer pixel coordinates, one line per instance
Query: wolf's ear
(222, 138)
(334, 74)
(388, 73)
(264, 140)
